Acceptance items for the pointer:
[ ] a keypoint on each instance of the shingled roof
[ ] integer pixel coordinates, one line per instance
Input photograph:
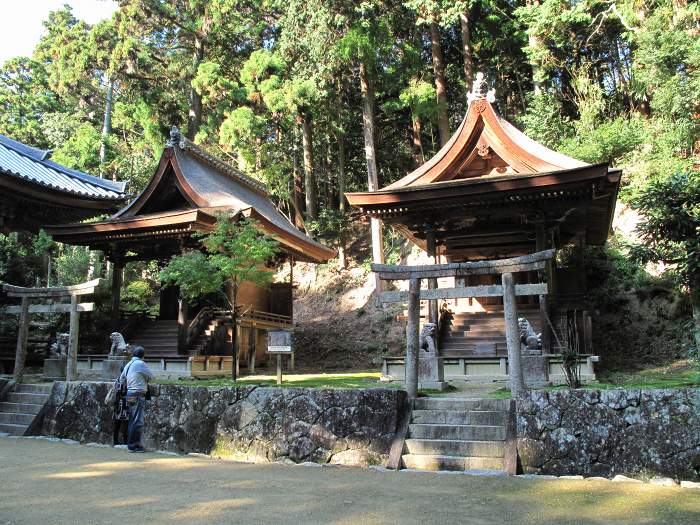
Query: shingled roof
(33, 165)
(190, 186)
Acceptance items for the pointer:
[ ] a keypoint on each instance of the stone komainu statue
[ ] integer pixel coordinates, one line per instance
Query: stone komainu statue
(118, 344)
(528, 337)
(60, 346)
(427, 338)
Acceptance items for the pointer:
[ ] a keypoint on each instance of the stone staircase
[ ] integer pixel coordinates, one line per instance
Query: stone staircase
(21, 406)
(480, 333)
(158, 338)
(457, 434)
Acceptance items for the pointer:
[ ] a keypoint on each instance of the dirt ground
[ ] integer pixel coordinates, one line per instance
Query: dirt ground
(55, 483)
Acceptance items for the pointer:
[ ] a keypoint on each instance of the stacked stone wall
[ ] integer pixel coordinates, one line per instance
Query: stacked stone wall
(609, 432)
(354, 427)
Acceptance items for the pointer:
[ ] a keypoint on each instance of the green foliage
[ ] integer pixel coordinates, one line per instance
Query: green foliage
(234, 252)
(545, 121)
(670, 226)
(72, 265)
(332, 226)
(138, 296)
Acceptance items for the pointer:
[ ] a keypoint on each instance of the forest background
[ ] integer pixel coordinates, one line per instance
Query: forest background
(320, 97)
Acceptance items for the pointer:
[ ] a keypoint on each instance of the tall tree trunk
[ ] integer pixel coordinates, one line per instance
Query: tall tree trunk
(416, 126)
(342, 258)
(106, 127)
(309, 176)
(194, 116)
(298, 185)
(367, 91)
(441, 90)
(341, 172)
(695, 304)
(467, 50)
(533, 43)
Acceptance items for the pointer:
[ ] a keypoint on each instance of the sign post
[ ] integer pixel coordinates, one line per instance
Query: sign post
(279, 342)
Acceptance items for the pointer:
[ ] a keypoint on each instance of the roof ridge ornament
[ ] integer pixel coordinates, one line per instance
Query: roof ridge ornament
(176, 138)
(179, 140)
(479, 90)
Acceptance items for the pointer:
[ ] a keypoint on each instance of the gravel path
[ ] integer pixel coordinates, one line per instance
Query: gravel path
(54, 483)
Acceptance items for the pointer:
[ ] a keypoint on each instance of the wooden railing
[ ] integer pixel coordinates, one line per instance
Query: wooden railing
(284, 321)
(199, 323)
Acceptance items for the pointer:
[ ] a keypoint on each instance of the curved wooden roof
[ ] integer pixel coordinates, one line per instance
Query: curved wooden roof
(491, 177)
(188, 189)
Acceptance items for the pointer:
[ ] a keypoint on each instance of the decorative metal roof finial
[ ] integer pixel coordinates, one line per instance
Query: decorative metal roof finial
(175, 137)
(479, 90)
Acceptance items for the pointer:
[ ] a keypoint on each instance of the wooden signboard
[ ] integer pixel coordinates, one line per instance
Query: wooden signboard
(279, 342)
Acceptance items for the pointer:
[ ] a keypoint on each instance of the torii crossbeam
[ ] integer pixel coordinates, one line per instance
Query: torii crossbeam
(56, 292)
(507, 289)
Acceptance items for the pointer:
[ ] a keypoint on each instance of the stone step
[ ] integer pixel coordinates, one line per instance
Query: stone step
(461, 404)
(458, 417)
(16, 418)
(449, 447)
(454, 463)
(13, 430)
(457, 432)
(19, 397)
(35, 388)
(25, 408)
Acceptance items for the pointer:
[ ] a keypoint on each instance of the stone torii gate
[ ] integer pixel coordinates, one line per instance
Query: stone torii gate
(25, 309)
(507, 289)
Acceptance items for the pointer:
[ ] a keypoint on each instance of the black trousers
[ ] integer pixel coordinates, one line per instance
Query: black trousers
(121, 432)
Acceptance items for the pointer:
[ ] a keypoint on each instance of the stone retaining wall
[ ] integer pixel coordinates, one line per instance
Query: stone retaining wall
(354, 427)
(609, 432)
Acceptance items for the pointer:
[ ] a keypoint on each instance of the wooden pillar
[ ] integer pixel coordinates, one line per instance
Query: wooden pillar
(432, 281)
(236, 360)
(540, 245)
(412, 336)
(253, 343)
(117, 281)
(22, 333)
(74, 334)
(291, 285)
(279, 369)
(510, 309)
(182, 325)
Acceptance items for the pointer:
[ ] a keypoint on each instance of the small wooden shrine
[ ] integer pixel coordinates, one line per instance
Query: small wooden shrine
(492, 193)
(35, 190)
(189, 188)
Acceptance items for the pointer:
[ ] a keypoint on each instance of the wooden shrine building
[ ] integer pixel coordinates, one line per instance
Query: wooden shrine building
(189, 188)
(35, 190)
(491, 193)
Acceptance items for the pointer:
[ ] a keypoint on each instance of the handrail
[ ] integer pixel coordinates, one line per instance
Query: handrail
(198, 323)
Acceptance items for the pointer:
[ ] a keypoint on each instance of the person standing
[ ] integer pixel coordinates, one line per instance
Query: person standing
(120, 418)
(137, 376)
